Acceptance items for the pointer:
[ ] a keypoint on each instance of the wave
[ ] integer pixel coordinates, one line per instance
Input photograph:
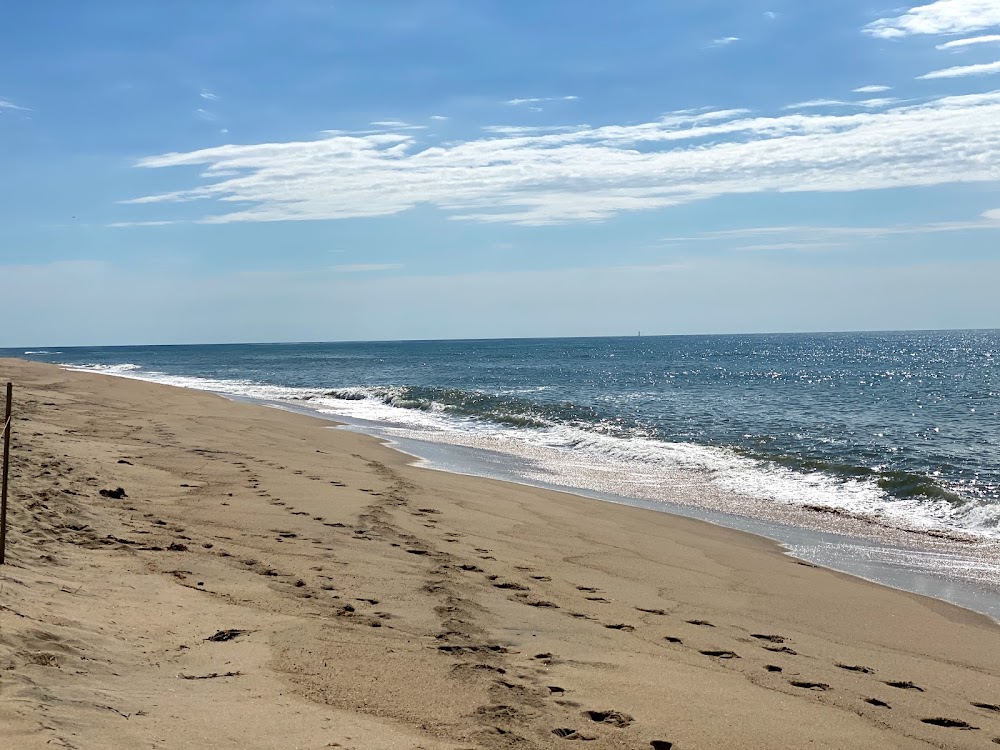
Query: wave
(572, 445)
(40, 352)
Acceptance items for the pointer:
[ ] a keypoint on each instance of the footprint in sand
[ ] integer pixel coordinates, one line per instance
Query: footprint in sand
(510, 585)
(702, 623)
(781, 650)
(614, 718)
(856, 668)
(661, 745)
(720, 654)
(904, 685)
(877, 702)
(948, 723)
(769, 638)
(817, 686)
(571, 734)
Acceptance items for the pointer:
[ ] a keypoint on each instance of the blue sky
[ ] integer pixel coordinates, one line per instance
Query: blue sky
(265, 170)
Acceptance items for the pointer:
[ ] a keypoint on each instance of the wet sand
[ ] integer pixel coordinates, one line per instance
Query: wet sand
(269, 582)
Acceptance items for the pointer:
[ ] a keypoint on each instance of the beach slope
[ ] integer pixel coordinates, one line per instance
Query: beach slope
(268, 581)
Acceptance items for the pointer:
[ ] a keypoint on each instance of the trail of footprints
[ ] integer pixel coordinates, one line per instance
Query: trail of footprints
(462, 639)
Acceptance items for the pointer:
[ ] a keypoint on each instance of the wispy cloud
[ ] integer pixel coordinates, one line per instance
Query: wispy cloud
(539, 99)
(968, 42)
(7, 104)
(364, 267)
(871, 89)
(724, 41)
(866, 103)
(439, 118)
(770, 15)
(817, 103)
(208, 95)
(125, 224)
(822, 237)
(940, 17)
(963, 71)
(530, 129)
(592, 173)
(395, 125)
(207, 116)
(878, 103)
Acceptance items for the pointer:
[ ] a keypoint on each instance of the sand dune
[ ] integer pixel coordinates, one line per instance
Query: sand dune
(270, 582)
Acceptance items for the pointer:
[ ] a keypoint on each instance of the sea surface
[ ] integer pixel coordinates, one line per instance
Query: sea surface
(889, 437)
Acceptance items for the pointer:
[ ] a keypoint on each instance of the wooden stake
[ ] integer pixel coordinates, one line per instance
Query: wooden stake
(6, 466)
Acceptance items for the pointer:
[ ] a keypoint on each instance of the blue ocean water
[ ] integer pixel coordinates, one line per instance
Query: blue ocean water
(900, 428)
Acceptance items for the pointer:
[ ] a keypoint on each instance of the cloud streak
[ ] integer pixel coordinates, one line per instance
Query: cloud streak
(828, 235)
(959, 43)
(539, 99)
(9, 105)
(963, 71)
(593, 173)
(940, 17)
(820, 103)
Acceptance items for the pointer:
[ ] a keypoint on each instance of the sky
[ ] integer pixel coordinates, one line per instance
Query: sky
(297, 170)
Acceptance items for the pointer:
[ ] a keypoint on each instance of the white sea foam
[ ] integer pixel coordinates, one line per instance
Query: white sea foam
(638, 467)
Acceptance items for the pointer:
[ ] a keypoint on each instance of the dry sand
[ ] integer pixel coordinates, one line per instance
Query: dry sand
(365, 603)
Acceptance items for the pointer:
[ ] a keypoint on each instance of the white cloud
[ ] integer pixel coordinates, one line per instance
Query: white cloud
(940, 17)
(871, 89)
(390, 125)
(124, 224)
(878, 103)
(866, 103)
(959, 43)
(530, 129)
(962, 71)
(538, 99)
(364, 267)
(827, 235)
(7, 104)
(439, 118)
(592, 173)
(724, 41)
(209, 96)
(817, 103)
(204, 114)
(770, 15)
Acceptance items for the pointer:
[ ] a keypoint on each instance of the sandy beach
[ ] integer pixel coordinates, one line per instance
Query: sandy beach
(271, 582)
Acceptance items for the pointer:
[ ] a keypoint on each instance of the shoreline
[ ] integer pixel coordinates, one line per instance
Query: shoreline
(890, 561)
(382, 605)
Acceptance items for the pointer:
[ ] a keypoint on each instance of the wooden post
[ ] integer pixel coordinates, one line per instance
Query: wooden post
(3, 485)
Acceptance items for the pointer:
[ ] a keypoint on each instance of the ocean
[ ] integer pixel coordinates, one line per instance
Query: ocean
(891, 438)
